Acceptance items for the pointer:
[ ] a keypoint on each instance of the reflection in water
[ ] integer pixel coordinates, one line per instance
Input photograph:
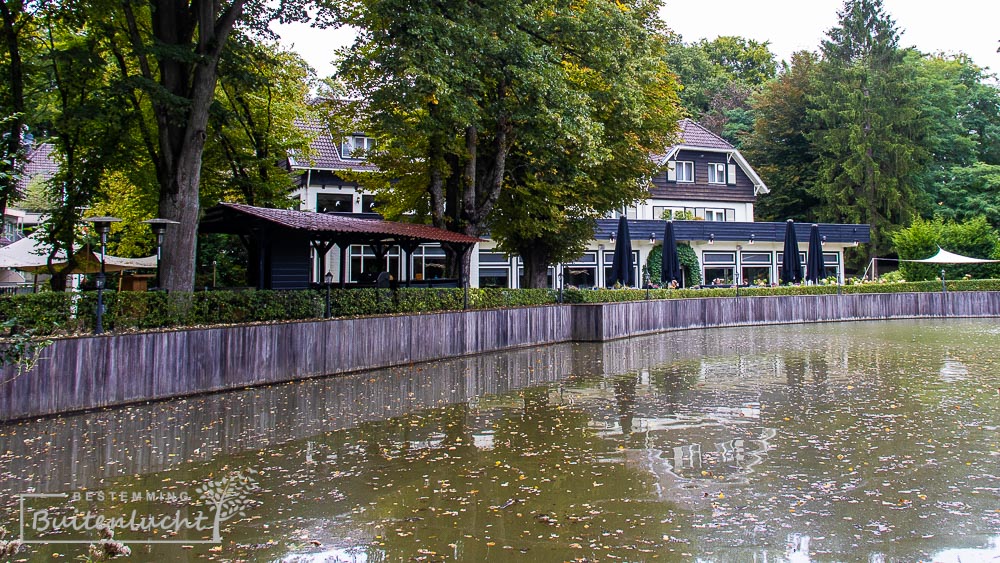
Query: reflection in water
(790, 443)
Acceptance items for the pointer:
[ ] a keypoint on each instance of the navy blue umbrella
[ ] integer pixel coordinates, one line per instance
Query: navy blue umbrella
(622, 269)
(670, 268)
(815, 267)
(791, 266)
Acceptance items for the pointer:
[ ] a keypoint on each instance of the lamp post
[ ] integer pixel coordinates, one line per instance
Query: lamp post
(328, 280)
(560, 285)
(103, 226)
(159, 228)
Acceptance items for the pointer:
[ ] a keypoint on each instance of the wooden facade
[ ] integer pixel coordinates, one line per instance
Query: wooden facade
(741, 191)
(90, 372)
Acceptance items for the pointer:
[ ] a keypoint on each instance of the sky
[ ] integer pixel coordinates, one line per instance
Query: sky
(967, 26)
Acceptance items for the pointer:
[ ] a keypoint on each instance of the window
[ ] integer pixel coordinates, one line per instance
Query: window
(355, 147)
(755, 268)
(428, 263)
(719, 267)
(715, 215)
(609, 257)
(494, 269)
(680, 171)
(334, 203)
(582, 273)
(368, 204)
(365, 266)
(717, 173)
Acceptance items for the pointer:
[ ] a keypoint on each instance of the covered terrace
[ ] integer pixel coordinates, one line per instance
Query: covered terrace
(279, 241)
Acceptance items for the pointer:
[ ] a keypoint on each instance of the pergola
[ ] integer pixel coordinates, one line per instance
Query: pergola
(283, 237)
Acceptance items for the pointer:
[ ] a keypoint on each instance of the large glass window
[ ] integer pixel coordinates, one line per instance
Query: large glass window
(581, 273)
(365, 266)
(368, 204)
(755, 268)
(428, 263)
(609, 256)
(334, 203)
(494, 269)
(831, 261)
(719, 267)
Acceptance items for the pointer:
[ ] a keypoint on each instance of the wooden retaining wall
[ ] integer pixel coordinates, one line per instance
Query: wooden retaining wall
(91, 372)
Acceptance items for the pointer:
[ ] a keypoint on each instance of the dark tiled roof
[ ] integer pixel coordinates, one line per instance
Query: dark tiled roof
(334, 224)
(734, 231)
(40, 165)
(693, 134)
(325, 152)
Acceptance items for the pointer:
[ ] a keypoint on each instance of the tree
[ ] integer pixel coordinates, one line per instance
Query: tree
(16, 17)
(868, 127)
(555, 189)
(452, 88)
(84, 119)
(262, 90)
(778, 145)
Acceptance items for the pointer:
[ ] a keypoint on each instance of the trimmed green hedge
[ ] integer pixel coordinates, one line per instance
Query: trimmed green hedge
(68, 313)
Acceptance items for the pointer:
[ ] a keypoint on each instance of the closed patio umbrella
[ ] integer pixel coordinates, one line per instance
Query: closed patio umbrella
(815, 267)
(622, 269)
(670, 268)
(791, 266)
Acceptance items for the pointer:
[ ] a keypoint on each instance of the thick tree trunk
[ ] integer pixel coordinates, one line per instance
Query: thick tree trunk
(10, 165)
(536, 268)
(181, 145)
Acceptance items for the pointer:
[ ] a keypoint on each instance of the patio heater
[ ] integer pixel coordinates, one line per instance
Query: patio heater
(103, 226)
(328, 280)
(159, 228)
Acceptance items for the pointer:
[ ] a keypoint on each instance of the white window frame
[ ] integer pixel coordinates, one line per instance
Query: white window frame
(354, 147)
(715, 214)
(685, 171)
(716, 173)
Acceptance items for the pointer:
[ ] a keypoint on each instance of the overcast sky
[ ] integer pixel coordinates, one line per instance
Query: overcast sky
(968, 26)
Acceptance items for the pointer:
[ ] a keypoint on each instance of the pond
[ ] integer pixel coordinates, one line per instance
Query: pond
(874, 442)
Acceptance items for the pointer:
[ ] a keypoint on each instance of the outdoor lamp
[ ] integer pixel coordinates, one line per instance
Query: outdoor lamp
(751, 239)
(711, 238)
(612, 238)
(103, 226)
(328, 279)
(652, 238)
(159, 228)
(822, 240)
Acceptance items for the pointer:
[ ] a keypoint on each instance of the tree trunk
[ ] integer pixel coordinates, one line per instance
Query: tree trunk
(536, 269)
(10, 165)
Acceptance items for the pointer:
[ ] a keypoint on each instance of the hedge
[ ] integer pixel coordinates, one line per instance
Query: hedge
(67, 313)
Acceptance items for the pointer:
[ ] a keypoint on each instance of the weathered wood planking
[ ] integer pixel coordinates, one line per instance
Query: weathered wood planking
(90, 372)
(85, 373)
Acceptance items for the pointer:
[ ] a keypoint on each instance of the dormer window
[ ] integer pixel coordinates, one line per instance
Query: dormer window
(680, 171)
(716, 173)
(355, 147)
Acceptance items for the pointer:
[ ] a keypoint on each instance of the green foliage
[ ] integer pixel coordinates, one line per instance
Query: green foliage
(975, 238)
(868, 125)
(685, 255)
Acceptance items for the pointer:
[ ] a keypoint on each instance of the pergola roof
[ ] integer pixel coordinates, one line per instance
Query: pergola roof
(237, 218)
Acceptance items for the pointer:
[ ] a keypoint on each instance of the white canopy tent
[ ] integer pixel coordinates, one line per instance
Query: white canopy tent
(29, 255)
(945, 257)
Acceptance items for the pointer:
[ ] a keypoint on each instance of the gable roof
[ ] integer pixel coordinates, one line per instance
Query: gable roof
(40, 163)
(694, 136)
(239, 218)
(324, 151)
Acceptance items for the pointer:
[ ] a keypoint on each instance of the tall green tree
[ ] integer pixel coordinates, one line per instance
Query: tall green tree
(16, 46)
(778, 145)
(868, 128)
(453, 88)
(262, 91)
(83, 117)
(974, 237)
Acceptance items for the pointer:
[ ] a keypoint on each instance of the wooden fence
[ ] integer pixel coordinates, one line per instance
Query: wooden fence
(90, 372)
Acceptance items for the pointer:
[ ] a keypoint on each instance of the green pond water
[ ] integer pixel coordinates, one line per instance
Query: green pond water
(871, 442)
